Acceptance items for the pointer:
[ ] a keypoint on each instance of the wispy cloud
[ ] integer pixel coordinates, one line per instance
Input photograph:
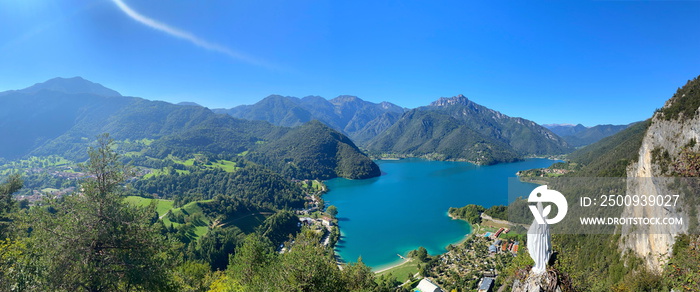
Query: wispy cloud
(178, 33)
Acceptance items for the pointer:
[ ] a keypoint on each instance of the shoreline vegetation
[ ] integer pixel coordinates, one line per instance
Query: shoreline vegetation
(487, 223)
(437, 157)
(409, 270)
(405, 264)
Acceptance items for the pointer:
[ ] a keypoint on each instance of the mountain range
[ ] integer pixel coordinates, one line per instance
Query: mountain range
(449, 128)
(62, 117)
(360, 120)
(458, 128)
(580, 135)
(57, 116)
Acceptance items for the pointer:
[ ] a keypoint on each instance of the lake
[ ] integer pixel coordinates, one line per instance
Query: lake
(407, 206)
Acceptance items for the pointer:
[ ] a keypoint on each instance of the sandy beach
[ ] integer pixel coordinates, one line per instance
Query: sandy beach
(405, 260)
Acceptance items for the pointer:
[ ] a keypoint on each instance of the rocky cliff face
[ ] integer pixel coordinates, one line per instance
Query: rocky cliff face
(661, 146)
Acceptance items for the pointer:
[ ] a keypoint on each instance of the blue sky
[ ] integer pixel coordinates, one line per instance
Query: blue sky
(587, 62)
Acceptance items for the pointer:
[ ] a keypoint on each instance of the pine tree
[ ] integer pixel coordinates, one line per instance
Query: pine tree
(93, 240)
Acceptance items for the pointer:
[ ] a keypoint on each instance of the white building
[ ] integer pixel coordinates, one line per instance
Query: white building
(426, 286)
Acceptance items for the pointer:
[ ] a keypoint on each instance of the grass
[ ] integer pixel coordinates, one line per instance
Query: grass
(200, 228)
(228, 166)
(146, 142)
(162, 206)
(164, 171)
(39, 161)
(155, 172)
(485, 228)
(494, 225)
(188, 162)
(49, 190)
(132, 153)
(248, 223)
(402, 271)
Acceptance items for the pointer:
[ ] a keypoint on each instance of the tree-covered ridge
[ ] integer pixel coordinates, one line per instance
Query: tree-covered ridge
(579, 135)
(459, 129)
(439, 136)
(684, 104)
(314, 150)
(611, 155)
(54, 121)
(360, 120)
(253, 184)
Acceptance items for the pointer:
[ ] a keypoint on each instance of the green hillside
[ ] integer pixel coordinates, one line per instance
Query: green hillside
(611, 155)
(63, 119)
(360, 120)
(457, 128)
(314, 150)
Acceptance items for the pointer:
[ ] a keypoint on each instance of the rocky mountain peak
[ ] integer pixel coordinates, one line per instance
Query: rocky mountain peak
(449, 101)
(345, 99)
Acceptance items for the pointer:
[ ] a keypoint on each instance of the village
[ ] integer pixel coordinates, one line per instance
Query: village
(313, 216)
(476, 262)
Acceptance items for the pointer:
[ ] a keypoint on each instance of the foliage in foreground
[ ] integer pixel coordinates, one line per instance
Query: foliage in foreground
(97, 241)
(94, 241)
(307, 266)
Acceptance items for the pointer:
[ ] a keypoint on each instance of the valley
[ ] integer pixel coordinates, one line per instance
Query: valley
(214, 181)
(349, 146)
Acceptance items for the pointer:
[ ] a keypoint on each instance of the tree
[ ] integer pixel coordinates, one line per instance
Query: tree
(224, 283)
(421, 254)
(7, 203)
(681, 272)
(470, 213)
(250, 261)
(216, 246)
(308, 266)
(10, 250)
(305, 266)
(321, 204)
(358, 277)
(280, 226)
(193, 276)
(93, 240)
(332, 210)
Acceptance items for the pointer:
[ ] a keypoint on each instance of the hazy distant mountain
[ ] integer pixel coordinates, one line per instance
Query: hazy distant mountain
(58, 117)
(457, 128)
(565, 129)
(188, 103)
(579, 135)
(360, 120)
(71, 85)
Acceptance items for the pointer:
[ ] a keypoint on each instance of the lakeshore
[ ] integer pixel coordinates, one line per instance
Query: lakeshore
(488, 244)
(405, 208)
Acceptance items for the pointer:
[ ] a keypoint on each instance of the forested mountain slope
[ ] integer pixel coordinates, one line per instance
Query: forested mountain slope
(61, 117)
(457, 128)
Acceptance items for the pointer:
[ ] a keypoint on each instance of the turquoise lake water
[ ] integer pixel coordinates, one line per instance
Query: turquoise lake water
(407, 206)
